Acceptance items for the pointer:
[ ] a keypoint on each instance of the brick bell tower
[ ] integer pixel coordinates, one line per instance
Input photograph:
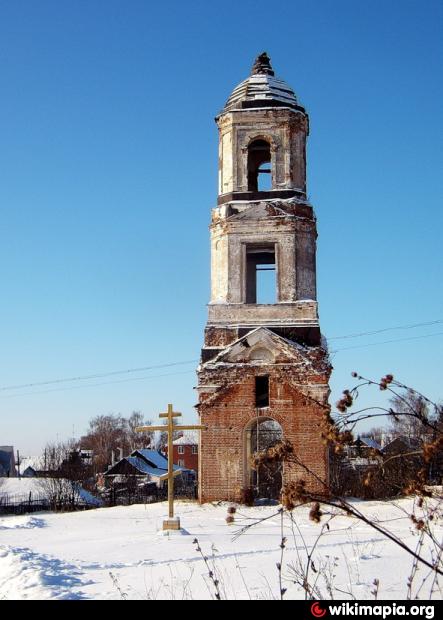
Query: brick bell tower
(264, 372)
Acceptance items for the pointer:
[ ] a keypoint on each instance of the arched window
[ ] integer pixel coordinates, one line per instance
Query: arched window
(259, 166)
(264, 479)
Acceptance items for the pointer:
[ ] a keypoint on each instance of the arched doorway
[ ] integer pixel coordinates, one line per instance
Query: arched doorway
(265, 480)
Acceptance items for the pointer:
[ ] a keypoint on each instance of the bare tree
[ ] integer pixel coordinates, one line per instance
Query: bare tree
(162, 443)
(137, 440)
(109, 434)
(61, 483)
(413, 427)
(106, 434)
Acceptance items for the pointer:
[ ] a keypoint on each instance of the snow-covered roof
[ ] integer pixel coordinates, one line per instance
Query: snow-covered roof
(144, 468)
(267, 339)
(370, 443)
(262, 89)
(31, 462)
(154, 457)
(190, 438)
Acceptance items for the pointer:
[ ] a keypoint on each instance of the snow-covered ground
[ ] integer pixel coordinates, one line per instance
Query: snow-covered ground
(114, 553)
(22, 489)
(19, 488)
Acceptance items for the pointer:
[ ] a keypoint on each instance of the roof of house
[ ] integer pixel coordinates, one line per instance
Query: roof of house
(190, 438)
(143, 467)
(370, 443)
(410, 443)
(7, 460)
(152, 456)
(31, 462)
(147, 462)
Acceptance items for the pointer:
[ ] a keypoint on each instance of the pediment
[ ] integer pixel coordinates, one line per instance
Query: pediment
(262, 346)
(262, 210)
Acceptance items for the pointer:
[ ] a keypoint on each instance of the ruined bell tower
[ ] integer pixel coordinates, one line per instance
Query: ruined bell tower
(264, 373)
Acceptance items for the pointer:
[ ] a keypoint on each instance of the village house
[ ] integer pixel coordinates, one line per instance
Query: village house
(186, 451)
(403, 458)
(7, 462)
(30, 467)
(364, 452)
(143, 465)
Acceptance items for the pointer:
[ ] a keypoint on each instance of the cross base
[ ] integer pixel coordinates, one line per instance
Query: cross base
(172, 524)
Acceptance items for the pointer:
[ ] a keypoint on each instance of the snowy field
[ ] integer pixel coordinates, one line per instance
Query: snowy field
(19, 488)
(114, 553)
(22, 489)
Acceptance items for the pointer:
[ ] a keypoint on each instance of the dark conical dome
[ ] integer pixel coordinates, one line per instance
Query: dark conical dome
(262, 89)
(262, 64)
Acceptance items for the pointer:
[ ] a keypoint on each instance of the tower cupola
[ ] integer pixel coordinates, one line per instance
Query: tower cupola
(262, 89)
(262, 146)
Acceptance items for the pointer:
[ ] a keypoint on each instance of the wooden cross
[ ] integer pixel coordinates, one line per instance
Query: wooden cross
(172, 523)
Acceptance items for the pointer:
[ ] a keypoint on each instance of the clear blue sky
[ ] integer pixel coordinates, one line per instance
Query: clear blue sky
(108, 155)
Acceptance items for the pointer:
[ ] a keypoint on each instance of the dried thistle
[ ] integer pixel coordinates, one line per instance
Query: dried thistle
(315, 514)
(345, 402)
(385, 381)
(419, 523)
(281, 452)
(294, 494)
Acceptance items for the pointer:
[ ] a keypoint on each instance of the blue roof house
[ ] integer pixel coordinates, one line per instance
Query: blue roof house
(147, 464)
(7, 462)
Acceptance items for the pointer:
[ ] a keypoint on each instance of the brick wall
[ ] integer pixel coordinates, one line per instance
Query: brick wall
(224, 470)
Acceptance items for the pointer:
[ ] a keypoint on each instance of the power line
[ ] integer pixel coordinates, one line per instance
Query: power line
(91, 385)
(95, 376)
(185, 372)
(375, 344)
(194, 361)
(387, 329)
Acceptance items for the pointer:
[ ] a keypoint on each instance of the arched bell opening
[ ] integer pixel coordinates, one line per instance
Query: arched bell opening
(259, 166)
(265, 480)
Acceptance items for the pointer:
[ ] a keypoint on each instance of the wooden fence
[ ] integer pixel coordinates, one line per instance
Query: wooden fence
(19, 505)
(127, 497)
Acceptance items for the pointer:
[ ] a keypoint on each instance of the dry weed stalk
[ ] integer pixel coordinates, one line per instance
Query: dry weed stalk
(337, 433)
